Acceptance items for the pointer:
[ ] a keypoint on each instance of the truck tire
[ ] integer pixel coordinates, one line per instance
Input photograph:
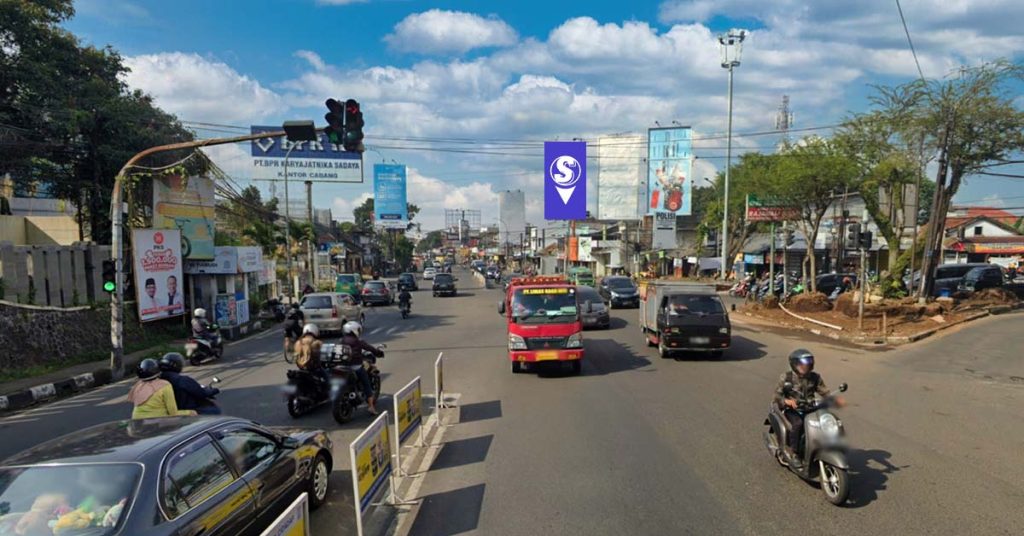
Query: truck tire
(663, 351)
(516, 367)
(647, 338)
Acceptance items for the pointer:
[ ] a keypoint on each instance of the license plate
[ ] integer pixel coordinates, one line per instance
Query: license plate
(191, 347)
(700, 340)
(547, 356)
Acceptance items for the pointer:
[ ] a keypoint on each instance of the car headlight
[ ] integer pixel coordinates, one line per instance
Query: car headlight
(615, 294)
(574, 341)
(723, 330)
(829, 425)
(515, 342)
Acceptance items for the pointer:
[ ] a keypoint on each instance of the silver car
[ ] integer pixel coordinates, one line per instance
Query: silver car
(330, 310)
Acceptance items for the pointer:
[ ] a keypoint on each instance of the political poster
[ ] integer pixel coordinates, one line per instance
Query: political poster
(585, 245)
(371, 466)
(158, 280)
(225, 310)
(669, 161)
(320, 160)
(565, 180)
(186, 204)
(389, 196)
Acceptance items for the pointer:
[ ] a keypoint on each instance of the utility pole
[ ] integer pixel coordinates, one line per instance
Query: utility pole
(771, 262)
(288, 226)
(310, 241)
(863, 287)
(731, 49)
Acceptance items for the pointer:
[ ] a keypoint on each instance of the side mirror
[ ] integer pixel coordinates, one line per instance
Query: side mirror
(501, 308)
(290, 443)
(843, 387)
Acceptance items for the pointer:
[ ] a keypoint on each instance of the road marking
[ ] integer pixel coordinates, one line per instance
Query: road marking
(391, 330)
(374, 330)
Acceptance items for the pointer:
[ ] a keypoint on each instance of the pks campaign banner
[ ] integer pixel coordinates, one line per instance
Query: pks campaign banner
(158, 280)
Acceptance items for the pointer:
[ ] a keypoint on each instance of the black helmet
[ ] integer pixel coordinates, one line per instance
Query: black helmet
(172, 362)
(801, 356)
(295, 305)
(148, 369)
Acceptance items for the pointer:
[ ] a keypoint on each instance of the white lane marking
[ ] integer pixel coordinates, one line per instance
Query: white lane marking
(391, 330)
(374, 330)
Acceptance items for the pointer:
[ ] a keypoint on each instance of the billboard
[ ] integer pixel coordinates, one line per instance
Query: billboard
(225, 261)
(565, 180)
(512, 213)
(319, 160)
(586, 245)
(620, 174)
(158, 280)
(669, 165)
(389, 204)
(768, 209)
(186, 204)
(664, 231)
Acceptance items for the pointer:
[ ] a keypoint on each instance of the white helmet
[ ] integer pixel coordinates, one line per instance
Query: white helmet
(311, 329)
(353, 328)
(199, 313)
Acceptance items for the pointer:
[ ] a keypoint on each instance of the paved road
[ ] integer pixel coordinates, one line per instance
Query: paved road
(641, 445)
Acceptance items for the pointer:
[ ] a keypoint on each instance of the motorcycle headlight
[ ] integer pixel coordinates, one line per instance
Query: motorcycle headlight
(829, 425)
(574, 341)
(515, 342)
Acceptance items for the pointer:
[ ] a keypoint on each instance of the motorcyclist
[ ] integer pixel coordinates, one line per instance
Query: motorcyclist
(200, 326)
(153, 396)
(307, 352)
(405, 299)
(352, 333)
(805, 386)
(293, 322)
(188, 394)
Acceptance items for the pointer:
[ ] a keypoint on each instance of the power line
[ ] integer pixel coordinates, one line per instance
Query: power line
(909, 40)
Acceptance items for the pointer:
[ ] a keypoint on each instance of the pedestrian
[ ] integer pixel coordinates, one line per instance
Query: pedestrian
(152, 396)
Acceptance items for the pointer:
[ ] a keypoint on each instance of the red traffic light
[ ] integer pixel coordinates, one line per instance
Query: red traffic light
(351, 106)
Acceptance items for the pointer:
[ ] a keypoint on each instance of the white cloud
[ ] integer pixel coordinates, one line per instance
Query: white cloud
(439, 31)
(197, 88)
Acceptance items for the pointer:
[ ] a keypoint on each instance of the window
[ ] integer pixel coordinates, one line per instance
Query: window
(345, 299)
(681, 304)
(316, 302)
(977, 230)
(246, 448)
(195, 472)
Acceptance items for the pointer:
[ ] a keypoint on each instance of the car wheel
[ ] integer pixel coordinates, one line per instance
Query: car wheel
(663, 350)
(319, 482)
(517, 367)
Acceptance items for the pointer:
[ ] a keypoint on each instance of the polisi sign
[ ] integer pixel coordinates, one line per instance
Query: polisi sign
(565, 180)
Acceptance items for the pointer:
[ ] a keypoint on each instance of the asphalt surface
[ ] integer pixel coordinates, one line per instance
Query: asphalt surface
(641, 445)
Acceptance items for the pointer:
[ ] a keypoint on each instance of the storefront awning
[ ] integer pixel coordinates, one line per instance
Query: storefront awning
(992, 245)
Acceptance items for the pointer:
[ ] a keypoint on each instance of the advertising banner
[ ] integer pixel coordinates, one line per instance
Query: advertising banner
(664, 231)
(409, 409)
(294, 521)
(250, 259)
(371, 465)
(225, 310)
(225, 261)
(389, 196)
(158, 280)
(620, 175)
(186, 204)
(586, 244)
(268, 274)
(565, 180)
(669, 164)
(242, 311)
(768, 209)
(319, 160)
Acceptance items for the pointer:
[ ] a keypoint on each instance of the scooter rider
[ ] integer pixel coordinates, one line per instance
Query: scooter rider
(805, 385)
(405, 299)
(293, 322)
(352, 333)
(188, 394)
(200, 327)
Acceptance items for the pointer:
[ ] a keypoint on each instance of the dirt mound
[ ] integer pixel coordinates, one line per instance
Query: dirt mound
(771, 302)
(846, 304)
(995, 296)
(813, 302)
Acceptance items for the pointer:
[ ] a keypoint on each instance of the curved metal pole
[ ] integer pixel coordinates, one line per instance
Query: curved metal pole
(117, 240)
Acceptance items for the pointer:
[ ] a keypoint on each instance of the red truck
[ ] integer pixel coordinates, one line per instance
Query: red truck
(543, 316)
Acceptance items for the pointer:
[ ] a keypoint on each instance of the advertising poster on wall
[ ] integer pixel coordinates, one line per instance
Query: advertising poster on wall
(158, 273)
(586, 244)
(669, 161)
(389, 205)
(225, 261)
(250, 259)
(225, 310)
(186, 204)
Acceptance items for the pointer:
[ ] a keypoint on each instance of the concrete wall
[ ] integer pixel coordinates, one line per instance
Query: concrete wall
(12, 229)
(38, 230)
(56, 276)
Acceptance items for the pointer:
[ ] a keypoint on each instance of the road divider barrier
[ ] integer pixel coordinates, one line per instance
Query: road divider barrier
(408, 418)
(372, 472)
(294, 521)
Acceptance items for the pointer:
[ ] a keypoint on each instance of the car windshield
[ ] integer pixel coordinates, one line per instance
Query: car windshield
(586, 294)
(682, 304)
(79, 500)
(316, 302)
(346, 279)
(405, 277)
(375, 284)
(950, 272)
(544, 305)
(621, 283)
(443, 278)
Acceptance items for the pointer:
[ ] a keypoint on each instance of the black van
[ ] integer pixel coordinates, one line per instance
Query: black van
(692, 320)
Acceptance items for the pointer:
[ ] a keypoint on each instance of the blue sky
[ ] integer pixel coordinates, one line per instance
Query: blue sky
(531, 70)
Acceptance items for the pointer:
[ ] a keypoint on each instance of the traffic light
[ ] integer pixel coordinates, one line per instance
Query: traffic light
(109, 276)
(335, 122)
(865, 240)
(353, 127)
(852, 234)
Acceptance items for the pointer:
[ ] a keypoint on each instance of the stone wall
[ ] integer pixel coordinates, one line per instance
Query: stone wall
(32, 336)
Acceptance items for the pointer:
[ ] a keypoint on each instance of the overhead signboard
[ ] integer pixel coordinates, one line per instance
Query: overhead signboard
(186, 204)
(768, 209)
(225, 261)
(158, 280)
(320, 160)
(565, 180)
(389, 196)
(669, 165)
(620, 174)
(664, 231)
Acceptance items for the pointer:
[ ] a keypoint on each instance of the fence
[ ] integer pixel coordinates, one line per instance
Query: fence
(55, 276)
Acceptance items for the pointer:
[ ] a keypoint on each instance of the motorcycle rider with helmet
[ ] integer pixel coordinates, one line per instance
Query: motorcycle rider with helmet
(307, 352)
(405, 299)
(200, 326)
(188, 394)
(805, 386)
(293, 323)
(352, 333)
(153, 396)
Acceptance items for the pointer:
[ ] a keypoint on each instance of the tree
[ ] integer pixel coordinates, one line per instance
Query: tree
(807, 176)
(434, 239)
(746, 177)
(363, 214)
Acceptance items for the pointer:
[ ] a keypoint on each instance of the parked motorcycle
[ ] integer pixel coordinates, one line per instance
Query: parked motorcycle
(198, 350)
(822, 449)
(306, 391)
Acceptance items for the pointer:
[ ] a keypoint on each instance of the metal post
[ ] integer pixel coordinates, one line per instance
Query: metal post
(288, 226)
(785, 258)
(725, 204)
(863, 286)
(312, 228)
(771, 262)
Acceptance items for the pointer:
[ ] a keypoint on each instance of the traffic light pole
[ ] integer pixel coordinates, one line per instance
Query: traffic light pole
(117, 239)
(771, 263)
(863, 286)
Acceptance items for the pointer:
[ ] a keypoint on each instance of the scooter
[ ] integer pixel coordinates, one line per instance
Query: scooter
(198, 350)
(306, 391)
(823, 449)
(211, 401)
(347, 394)
(405, 307)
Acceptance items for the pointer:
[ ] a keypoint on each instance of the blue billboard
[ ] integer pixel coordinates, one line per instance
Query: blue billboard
(389, 200)
(670, 162)
(318, 161)
(565, 180)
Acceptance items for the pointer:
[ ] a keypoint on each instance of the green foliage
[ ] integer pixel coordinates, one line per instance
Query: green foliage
(749, 175)
(433, 239)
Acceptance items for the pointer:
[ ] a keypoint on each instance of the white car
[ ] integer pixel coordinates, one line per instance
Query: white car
(429, 273)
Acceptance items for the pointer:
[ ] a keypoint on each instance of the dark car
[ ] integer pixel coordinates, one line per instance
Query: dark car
(982, 277)
(948, 277)
(619, 291)
(493, 272)
(693, 320)
(377, 293)
(407, 281)
(827, 283)
(444, 285)
(161, 477)
(593, 311)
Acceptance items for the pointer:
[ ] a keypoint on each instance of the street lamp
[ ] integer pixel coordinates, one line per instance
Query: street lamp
(296, 132)
(731, 46)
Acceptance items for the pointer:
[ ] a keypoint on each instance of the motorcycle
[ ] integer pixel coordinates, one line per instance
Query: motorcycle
(198, 350)
(306, 391)
(405, 307)
(212, 400)
(276, 308)
(822, 449)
